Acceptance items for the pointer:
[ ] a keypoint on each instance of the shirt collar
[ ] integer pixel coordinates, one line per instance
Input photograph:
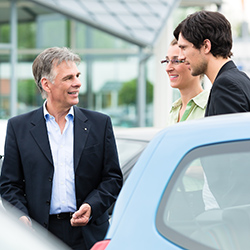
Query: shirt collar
(177, 103)
(47, 115)
(200, 100)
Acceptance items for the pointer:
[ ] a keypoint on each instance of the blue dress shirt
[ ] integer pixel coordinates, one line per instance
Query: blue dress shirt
(63, 197)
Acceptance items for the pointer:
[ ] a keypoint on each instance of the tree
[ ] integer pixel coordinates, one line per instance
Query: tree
(127, 93)
(26, 34)
(27, 92)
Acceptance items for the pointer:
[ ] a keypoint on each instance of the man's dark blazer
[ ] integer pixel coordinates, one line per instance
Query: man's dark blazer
(230, 92)
(27, 171)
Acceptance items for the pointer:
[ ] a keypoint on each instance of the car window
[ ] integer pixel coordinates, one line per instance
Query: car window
(128, 149)
(206, 204)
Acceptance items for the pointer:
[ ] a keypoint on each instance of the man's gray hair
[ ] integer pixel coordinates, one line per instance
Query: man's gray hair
(46, 60)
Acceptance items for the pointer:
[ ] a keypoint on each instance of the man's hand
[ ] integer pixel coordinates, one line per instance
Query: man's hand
(81, 217)
(25, 220)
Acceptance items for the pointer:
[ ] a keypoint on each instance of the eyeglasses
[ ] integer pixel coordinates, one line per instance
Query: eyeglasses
(173, 61)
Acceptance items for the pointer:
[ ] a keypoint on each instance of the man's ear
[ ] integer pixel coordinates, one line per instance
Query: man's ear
(207, 46)
(45, 84)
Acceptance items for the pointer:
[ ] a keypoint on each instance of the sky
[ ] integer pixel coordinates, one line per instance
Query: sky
(234, 11)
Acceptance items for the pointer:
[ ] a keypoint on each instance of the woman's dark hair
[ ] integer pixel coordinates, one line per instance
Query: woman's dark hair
(209, 25)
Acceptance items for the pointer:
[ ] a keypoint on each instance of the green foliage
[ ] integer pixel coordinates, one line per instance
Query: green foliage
(87, 37)
(27, 92)
(26, 34)
(127, 93)
(5, 33)
(149, 92)
(103, 40)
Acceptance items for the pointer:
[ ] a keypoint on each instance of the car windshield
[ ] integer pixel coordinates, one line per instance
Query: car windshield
(206, 204)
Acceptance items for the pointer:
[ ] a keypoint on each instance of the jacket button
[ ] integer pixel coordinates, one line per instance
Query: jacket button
(45, 224)
(50, 179)
(48, 202)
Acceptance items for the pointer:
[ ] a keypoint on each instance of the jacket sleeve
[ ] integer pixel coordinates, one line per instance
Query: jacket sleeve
(12, 179)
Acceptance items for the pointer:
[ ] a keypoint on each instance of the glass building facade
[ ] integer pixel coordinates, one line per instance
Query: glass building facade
(117, 68)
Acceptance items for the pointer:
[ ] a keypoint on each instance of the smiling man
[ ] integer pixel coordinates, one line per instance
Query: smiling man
(61, 166)
(205, 42)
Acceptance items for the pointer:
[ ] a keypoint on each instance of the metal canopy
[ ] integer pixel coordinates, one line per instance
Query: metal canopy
(135, 21)
(27, 11)
(139, 22)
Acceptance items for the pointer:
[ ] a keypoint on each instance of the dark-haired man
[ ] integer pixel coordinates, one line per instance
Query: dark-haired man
(205, 41)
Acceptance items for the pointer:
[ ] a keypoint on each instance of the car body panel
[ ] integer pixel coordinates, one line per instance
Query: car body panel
(133, 221)
(15, 235)
(130, 144)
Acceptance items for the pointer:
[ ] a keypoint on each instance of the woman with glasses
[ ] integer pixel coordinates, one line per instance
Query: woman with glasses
(193, 101)
(191, 105)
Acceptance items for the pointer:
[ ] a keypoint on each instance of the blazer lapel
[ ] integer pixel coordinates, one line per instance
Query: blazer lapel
(39, 133)
(81, 132)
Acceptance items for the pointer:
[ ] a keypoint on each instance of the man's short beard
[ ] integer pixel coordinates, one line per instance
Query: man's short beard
(200, 69)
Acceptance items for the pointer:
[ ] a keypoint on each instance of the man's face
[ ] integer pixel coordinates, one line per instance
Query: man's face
(193, 56)
(64, 91)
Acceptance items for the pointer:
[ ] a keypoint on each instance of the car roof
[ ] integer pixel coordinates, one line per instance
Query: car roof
(170, 145)
(138, 133)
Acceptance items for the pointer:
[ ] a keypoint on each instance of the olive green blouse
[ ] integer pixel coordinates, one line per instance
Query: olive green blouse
(195, 108)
